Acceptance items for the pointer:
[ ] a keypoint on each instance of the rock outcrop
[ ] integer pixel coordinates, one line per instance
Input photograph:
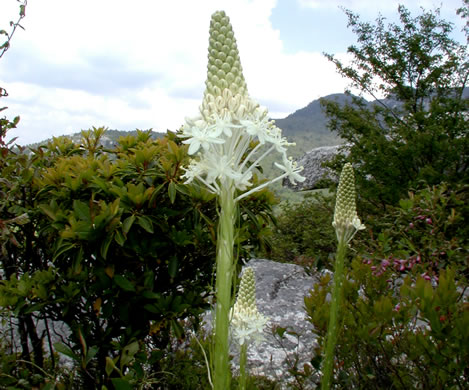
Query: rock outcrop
(313, 170)
(280, 292)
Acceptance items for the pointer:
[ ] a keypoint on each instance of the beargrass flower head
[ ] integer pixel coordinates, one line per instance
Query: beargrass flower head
(247, 323)
(232, 134)
(346, 222)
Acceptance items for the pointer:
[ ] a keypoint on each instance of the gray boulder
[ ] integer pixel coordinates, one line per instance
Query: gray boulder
(313, 170)
(280, 292)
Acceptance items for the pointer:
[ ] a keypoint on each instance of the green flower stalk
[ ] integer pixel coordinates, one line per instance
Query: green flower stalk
(346, 224)
(247, 323)
(229, 140)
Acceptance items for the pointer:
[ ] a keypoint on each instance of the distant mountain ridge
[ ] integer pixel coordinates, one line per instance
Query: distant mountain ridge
(310, 118)
(307, 126)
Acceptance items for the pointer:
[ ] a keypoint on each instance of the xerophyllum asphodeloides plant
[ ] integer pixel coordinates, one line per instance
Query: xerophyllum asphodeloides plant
(247, 324)
(346, 223)
(228, 141)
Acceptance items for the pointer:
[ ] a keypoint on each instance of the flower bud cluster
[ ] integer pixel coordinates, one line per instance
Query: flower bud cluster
(232, 134)
(346, 222)
(247, 323)
(226, 90)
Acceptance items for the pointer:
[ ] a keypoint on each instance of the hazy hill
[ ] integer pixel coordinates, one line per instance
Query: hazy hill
(310, 119)
(308, 126)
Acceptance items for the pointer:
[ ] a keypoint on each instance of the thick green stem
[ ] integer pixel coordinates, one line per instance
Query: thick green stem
(224, 275)
(242, 366)
(333, 330)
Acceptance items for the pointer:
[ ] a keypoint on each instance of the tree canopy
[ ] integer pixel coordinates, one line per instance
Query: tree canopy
(417, 134)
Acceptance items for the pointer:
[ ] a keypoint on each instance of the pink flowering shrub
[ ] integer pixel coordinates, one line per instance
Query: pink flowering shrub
(405, 311)
(425, 234)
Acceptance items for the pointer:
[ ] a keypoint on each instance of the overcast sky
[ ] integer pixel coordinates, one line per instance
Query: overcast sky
(141, 64)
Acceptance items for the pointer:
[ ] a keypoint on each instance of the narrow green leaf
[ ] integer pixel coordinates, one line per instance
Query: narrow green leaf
(92, 351)
(128, 224)
(62, 249)
(173, 267)
(48, 210)
(145, 223)
(63, 349)
(82, 210)
(150, 295)
(124, 283)
(121, 384)
(177, 328)
(105, 245)
(128, 353)
(148, 280)
(119, 238)
(110, 366)
(172, 191)
(155, 193)
(152, 309)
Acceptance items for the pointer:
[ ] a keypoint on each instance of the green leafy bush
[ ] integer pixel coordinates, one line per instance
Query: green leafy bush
(303, 232)
(116, 247)
(396, 334)
(427, 231)
(405, 310)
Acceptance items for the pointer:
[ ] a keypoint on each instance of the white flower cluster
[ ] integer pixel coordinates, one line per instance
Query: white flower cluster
(248, 327)
(225, 153)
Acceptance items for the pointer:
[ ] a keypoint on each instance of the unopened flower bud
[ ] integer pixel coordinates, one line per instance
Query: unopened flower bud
(346, 221)
(224, 72)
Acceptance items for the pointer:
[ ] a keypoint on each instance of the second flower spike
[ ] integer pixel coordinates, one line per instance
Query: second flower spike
(247, 323)
(346, 222)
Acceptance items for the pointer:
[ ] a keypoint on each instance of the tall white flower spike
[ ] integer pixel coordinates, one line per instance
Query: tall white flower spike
(221, 137)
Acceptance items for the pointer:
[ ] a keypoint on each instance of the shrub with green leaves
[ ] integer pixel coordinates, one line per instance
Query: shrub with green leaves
(405, 304)
(125, 251)
(397, 333)
(428, 232)
(303, 232)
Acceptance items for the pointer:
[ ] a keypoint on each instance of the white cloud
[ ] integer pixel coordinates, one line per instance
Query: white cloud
(141, 64)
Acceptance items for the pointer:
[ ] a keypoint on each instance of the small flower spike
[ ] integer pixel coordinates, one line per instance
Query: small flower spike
(346, 221)
(247, 323)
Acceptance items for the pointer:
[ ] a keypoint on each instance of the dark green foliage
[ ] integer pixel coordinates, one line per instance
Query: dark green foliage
(418, 134)
(396, 334)
(303, 232)
(428, 231)
(405, 308)
(116, 247)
